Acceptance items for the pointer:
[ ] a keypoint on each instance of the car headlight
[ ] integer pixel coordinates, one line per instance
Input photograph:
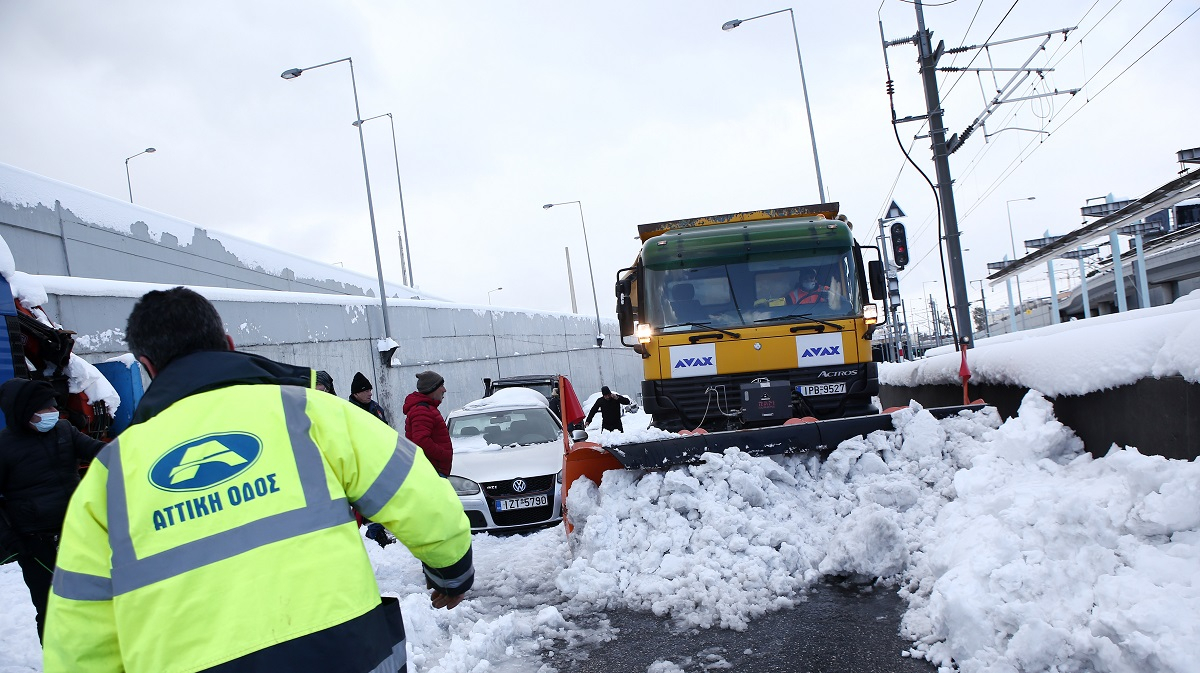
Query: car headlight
(558, 477)
(463, 486)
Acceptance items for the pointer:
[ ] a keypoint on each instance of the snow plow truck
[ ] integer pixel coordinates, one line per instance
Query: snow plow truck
(755, 332)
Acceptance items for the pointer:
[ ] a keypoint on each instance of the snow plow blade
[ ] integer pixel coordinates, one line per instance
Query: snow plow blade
(778, 440)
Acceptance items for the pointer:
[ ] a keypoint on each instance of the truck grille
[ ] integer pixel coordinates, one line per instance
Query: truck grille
(690, 396)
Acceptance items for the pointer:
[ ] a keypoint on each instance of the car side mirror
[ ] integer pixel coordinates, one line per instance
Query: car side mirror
(579, 435)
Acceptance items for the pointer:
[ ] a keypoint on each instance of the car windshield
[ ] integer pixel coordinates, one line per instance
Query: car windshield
(758, 290)
(505, 428)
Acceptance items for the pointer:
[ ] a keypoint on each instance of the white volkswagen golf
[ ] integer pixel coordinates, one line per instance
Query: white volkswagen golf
(507, 467)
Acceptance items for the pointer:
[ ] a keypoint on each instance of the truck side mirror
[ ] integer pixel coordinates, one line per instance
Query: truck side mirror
(878, 283)
(625, 314)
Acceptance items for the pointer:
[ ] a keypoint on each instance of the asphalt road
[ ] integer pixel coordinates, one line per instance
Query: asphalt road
(840, 629)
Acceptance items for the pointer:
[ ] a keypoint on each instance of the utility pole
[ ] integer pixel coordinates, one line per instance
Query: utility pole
(941, 160)
(943, 147)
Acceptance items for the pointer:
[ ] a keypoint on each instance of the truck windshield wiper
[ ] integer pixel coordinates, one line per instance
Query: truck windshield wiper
(801, 317)
(703, 325)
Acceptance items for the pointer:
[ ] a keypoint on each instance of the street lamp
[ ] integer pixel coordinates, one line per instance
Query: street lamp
(293, 74)
(730, 25)
(490, 294)
(591, 275)
(1013, 244)
(405, 269)
(148, 150)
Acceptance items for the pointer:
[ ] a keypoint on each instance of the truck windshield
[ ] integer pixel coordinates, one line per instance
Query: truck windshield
(757, 291)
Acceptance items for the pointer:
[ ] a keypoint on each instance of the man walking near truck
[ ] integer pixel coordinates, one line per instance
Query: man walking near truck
(609, 406)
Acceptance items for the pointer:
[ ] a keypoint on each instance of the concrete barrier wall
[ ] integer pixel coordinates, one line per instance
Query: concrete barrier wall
(464, 345)
(1160, 417)
(96, 255)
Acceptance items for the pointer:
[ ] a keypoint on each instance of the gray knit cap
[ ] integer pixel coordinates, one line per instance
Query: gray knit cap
(429, 381)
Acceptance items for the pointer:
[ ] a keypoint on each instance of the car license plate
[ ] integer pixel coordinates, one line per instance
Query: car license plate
(823, 389)
(522, 503)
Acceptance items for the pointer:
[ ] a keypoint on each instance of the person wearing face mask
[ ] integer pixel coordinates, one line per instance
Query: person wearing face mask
(40, 456)
(808, 292)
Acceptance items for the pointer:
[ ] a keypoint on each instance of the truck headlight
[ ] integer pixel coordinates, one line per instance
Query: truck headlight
(871, 314)
(642, 331)
(463, 486)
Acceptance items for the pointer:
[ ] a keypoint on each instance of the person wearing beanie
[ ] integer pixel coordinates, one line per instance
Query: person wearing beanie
(40, 456)
(609, 406)
(423, 423)
(325, 382)
(361, 393)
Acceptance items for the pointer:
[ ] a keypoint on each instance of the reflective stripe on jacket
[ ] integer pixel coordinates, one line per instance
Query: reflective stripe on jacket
(218, 536)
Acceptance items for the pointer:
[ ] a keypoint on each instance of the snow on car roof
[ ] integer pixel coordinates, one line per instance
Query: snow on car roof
(505, 398)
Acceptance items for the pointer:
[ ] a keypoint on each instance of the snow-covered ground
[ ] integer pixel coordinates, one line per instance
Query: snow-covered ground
(1015, 550)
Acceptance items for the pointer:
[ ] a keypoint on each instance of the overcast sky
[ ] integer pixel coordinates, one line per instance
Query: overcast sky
(644, 111)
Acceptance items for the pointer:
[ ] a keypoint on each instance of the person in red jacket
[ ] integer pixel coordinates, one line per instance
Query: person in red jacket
(423, 423)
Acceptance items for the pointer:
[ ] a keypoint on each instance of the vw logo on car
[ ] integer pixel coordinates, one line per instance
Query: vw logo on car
(518, 486)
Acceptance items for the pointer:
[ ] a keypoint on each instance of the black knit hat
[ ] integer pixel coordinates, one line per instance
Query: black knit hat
(359, 384)
(604, 390)
(429, 381)
(20, 399)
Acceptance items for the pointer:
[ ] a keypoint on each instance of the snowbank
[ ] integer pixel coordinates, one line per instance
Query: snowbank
(1016, 552)
(1073, 358)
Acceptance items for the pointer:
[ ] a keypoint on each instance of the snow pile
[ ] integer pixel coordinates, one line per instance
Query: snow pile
(1016, 552)
(1043, 563)
(1121, 348)
(505, 398)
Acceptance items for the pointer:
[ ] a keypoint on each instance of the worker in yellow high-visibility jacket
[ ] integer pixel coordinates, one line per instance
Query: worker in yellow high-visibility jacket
(216, 533)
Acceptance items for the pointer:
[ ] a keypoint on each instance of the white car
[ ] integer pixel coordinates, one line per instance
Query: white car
(508, 455)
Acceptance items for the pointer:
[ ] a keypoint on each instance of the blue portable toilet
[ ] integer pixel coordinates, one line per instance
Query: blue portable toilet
(126, 377)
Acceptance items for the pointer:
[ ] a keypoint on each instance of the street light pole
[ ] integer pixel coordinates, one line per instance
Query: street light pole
(730, 25)
(987, 323)
(1013, 244)
(591, 274)
(406, 253)
(362, 143)
(128, 182)
(490, 294)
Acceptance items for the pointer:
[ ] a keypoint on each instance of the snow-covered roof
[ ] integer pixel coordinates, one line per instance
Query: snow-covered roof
(503, 400)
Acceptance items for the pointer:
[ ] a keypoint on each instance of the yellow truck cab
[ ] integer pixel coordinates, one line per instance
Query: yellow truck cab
(749, 319)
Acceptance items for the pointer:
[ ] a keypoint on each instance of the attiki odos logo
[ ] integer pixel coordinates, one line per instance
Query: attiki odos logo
(206, 461)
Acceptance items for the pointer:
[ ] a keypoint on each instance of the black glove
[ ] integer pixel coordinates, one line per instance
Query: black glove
(378, 533)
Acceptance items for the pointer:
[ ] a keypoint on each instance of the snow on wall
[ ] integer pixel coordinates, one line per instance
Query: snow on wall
(1073, 358)
(26, 191)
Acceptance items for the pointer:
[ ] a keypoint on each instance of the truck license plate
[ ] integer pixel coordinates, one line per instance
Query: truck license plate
(823, 389)
(522, 503)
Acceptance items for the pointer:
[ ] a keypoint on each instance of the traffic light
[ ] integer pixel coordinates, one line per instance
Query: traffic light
(899, 245)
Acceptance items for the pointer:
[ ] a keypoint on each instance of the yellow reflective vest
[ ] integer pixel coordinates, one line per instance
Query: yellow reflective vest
(218, 535)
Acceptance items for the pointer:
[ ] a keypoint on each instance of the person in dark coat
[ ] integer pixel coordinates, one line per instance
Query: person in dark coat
(423, 423)
(609, 406)
(40, 456)
(361, 393)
